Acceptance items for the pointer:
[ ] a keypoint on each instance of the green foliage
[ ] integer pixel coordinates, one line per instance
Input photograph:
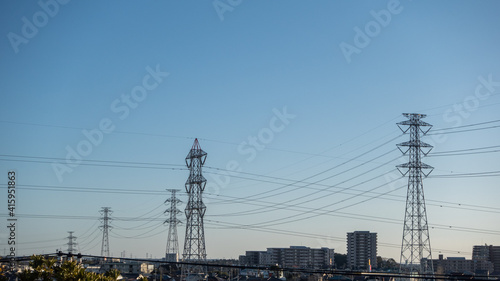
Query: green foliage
(47, 269)
(113, 274)
(387, 264)
(340, 260)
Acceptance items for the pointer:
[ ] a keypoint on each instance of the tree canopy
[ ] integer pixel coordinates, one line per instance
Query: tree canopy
(48, 269)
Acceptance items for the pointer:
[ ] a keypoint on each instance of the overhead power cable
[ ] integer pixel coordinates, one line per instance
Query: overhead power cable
(325, 189)
(465, 126)
(466, 151)
(225, 225)
(463, 131)
(185, 137)
(88, 162)
(146, 234)
(469, 175)
(266, 194)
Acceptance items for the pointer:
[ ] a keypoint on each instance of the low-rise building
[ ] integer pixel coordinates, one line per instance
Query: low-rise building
(295, 256)
(460, 265)
(128, 267)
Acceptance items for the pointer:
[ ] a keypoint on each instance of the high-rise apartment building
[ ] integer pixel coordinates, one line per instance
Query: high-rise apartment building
(361, 250)
(487, 253)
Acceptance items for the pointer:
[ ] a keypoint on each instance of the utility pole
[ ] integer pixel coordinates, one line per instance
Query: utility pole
(172, 251)
(415, 247)
(194, 243)
(105, 211)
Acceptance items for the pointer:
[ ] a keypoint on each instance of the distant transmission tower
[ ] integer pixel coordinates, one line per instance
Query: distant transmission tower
(194, 243)
(416, 245)
(172, 252)
(71, 243)
(105, 211)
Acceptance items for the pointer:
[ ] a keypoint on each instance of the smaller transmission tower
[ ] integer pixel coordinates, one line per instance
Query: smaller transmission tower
(416, 245)
(105, 211)
(71, 244)
(172, 252)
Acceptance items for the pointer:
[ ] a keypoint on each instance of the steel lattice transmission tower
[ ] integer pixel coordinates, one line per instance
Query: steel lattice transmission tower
(172, 252)
(416, 246)
(71, 243)
(194, 243)
(105, 211)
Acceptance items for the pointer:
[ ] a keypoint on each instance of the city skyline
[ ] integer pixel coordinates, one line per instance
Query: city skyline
(296, 105)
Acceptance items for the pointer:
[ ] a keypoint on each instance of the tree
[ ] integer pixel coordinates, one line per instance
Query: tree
(113, 274)
(47, 269)
(387, 264)
(340, 260)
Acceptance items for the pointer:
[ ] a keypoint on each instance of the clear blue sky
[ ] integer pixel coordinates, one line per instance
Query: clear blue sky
(317, 83)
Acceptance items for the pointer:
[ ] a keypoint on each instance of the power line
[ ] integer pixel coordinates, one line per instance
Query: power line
(145, 234)
(452, 104)
(81, 128)
(469, 175)
(237, 200)
(123, 164)
(227, 225)
(336, 213)
(141, 226)
(327, 188)
(233, 200)
(86, 189)
(463, 131)
(397, 198)
(464, 150)
(204, 139)
(263, 194)
(465, 126)
(458, 154)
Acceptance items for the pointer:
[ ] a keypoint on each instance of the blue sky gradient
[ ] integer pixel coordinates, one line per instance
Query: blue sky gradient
(231, 75)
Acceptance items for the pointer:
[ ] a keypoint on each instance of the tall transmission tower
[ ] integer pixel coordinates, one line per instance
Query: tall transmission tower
(172, 252)
(416, 246)
(105, 211)
(71, 243)
(194, 243)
